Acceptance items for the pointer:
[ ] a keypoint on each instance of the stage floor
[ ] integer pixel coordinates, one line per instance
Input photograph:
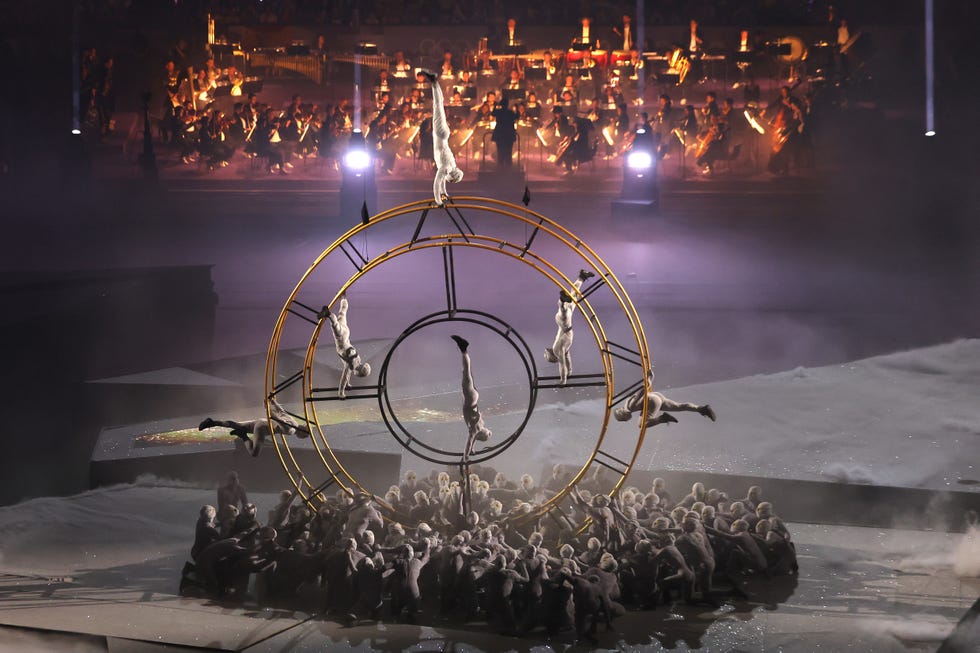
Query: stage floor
(102, 569)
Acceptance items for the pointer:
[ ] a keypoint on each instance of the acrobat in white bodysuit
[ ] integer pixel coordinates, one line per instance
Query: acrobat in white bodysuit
(561, 351)
(345, 350)
(260, 429)
(446, 170)
(659, 407)
(471, 409)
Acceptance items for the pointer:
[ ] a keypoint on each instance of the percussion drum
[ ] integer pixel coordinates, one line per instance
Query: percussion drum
(797, 49)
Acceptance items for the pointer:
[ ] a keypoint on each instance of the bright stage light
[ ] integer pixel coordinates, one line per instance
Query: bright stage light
(930, 133)
(76, 131)
(357, 159)
(639, 160)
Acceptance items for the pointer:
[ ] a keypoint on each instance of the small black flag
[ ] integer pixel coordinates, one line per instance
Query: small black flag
(365, 216)
(527, 196)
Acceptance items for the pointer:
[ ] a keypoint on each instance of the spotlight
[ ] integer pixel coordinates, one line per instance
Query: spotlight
(930, 133)
(357, 159)
(640, 186)
(358, 186)
(78, 132)
(639, 160)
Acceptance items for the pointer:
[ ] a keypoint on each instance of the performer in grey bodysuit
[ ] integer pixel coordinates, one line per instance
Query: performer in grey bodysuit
(659, 407)
(446, 169)
(471, 410)
(561, 351)
(259, 429)
(346, 351)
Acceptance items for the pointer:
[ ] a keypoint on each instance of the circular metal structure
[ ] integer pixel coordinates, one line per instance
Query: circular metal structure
(434, 454)
(473, 239)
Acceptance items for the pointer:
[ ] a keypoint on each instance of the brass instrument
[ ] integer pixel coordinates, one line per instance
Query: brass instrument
(679, 65)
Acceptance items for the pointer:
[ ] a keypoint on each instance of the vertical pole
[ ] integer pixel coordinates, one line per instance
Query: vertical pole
(640, 78)
(76, 73)
(357, 91)
(930, 72)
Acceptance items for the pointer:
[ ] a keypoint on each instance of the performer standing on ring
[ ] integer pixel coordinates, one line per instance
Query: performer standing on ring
(346, 351)
(561, 351)
(446, 169)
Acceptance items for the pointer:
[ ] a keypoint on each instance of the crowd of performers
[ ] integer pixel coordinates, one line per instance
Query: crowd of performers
(640, 549)
(566, 108)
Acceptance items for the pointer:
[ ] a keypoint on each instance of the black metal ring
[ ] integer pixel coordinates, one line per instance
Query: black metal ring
(405, 437)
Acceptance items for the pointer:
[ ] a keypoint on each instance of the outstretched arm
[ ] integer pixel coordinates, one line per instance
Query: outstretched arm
(439, 186)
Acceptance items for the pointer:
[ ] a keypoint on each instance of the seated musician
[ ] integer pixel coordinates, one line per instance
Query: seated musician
(569, 85)
(270, 143)
(532, 106)
(237, 80)
(710, 108)
(611, 98)
(566, 99)
(713, 144)
(401, 69)
(203, 87)
(485, 65)
(456, 99)
(550, 69)
(466, 86)
(582, 147)
(382, 83)
(484, 115)
(516, 82)
(587, 65)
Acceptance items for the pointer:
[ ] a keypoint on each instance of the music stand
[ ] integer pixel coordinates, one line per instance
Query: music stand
(515, 48)
(536, 74)
(512, 94)
(745, 56)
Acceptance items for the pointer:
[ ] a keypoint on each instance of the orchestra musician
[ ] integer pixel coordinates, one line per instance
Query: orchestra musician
(237, 80)
(713, 144)
(447, 71)
(466, 86)
(203, 87)
(570, 87)
(694, 45)
(485, 64)
(510, 38)
(786, 123)
(586, 36)
(710, 109)
(550, 69)
(626, 38)
(401, 69)
(270, 142)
